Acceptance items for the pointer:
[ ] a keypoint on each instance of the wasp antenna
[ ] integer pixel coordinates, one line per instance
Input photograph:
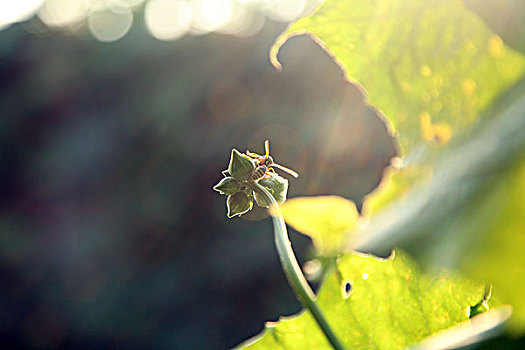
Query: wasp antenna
(267, 147)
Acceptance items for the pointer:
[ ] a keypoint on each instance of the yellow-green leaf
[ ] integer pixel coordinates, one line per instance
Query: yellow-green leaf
(390, 305)
(327, 219)
(499, 256)
(470, 213)
(430, 66)
(395, 184)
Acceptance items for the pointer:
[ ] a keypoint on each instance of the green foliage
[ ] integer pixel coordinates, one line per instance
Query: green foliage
(391, 305)
(327, 219)
(430, 66)
(498, 254)
(456, 199)
(469, 214)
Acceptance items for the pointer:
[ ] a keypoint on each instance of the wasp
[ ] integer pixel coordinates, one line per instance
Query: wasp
(265, 163)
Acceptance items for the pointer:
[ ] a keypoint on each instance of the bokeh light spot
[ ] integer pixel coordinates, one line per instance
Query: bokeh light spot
(211, 15)
(284, 10)
(17, 11)
(126, 3)
(168, 19)
(108, 25)
(244, 22)
(57, 13)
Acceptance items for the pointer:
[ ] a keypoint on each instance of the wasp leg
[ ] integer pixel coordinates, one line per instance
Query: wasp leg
(269, 173)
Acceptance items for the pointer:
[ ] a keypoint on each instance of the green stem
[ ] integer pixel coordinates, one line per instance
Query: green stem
(291, 268)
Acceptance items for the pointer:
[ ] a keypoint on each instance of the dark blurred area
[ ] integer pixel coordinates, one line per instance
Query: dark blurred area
(111, 235)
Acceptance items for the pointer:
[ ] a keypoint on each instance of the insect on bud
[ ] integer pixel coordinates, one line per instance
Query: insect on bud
(247, 171)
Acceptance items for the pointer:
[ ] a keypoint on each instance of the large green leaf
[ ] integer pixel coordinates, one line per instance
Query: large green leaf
(470, 213)
(430, 66)
(434, 69)
(391, 305)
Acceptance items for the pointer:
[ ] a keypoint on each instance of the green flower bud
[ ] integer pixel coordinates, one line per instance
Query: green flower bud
(239, 203)
(241, 166)
(277, 186)
(228, 186)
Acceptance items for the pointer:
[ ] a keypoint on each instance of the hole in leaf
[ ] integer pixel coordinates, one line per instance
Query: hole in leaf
(346, 289)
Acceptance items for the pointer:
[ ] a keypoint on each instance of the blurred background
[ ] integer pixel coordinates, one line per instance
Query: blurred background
(116, 119)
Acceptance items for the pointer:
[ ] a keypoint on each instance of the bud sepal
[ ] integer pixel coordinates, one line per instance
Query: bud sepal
(277, 186)
(241, 166)
(239, 203)
(228, 186)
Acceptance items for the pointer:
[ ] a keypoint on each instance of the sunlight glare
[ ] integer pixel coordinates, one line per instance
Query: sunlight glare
(108, 26)
(211, 15)
(168, 19)
(17, 11)
(57, 13)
